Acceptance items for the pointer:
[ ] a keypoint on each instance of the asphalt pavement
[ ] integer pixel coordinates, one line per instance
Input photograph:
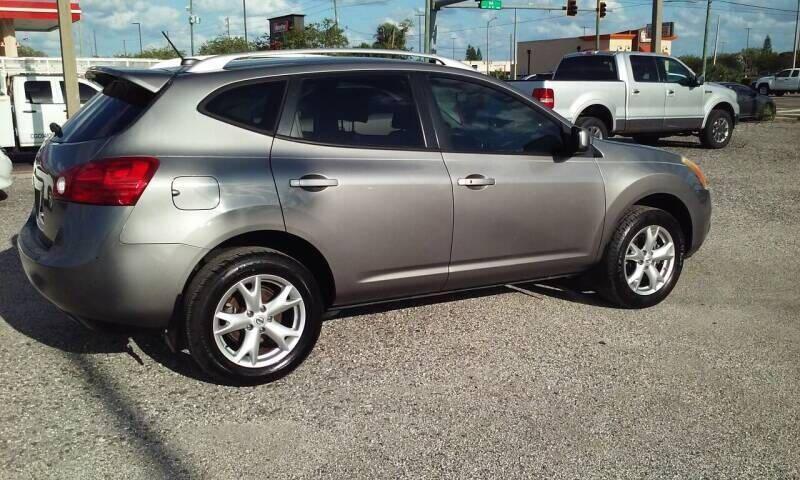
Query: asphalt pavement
(788, 106)
(548, 383)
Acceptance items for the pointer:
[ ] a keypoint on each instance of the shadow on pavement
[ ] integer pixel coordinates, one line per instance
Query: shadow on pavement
(664, 143)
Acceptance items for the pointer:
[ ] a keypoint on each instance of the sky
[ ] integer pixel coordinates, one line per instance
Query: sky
(111, 22)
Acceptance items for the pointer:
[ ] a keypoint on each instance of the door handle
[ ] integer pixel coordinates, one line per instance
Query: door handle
(670, 92)
(30, 111)
(315, 182)
(476, 181)
(636, 91)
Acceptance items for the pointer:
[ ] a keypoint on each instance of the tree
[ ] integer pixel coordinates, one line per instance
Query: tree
(26, 51)
(392, 36)
(324, 34)
(767, 44)
(365, 45)
(224, 44)
(479, 54)
(161, 53)
(471, 55)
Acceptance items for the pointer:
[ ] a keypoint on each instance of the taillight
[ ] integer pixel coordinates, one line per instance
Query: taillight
(546, 96)
(111, 181)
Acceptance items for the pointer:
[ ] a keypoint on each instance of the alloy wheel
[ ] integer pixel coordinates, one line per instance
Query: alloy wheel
(259, 321)
(720, 129)
(649, 260)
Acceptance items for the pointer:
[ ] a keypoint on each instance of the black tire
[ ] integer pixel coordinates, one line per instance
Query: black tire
(612, 269)
(646, 139)
(596, 127)
(707, 134)
(763, 89)
(215, 279)
(778, 94)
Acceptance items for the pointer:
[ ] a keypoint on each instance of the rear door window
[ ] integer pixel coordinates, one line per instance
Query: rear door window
(644, 68)
(107, 113)
(38, 91)
(364, 110)
(587, 67)
(254, 106)
(795, 73)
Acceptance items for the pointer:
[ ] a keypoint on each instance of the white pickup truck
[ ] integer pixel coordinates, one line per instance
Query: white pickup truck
(785, 81)
(642, 95)
(30, 103)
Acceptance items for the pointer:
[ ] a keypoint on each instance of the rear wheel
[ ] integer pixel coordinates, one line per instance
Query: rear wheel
(718, 130)
(644, 259)
(596, 127)
(252, 315)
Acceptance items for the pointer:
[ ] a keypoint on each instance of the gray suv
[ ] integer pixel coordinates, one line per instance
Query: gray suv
(234, 206)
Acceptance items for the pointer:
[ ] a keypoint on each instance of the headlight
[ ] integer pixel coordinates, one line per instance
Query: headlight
(701, 177)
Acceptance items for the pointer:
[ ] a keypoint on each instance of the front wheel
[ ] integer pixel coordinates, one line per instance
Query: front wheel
(718, 131)
(596, 127)
(252, 315)
(644, 259)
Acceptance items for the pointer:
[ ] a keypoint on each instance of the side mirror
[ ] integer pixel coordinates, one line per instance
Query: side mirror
(580, 140)
(699, 80)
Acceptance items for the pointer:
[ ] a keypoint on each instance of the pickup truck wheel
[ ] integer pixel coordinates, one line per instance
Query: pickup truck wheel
(718, 130)
(763, 89)
(644, 259)
(252, 315)
(596, 127)
(778, 94)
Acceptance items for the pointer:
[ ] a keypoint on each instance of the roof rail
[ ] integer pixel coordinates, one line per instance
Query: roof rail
(218, 62)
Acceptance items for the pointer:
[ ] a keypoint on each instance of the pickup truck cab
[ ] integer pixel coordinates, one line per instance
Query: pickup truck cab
(785, 81)
(637, 94)
(30, 103)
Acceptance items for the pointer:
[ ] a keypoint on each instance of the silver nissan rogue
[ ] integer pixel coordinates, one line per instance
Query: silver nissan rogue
(234, 200)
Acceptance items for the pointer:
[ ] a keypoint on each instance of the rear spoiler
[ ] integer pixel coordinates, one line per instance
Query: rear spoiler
(150, 80)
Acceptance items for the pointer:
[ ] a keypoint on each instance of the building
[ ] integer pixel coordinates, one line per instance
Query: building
(503, 66)
(539, 56)
(279, 26)
(28, 16)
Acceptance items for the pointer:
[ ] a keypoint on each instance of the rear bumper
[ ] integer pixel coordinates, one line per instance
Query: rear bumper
(136, 285)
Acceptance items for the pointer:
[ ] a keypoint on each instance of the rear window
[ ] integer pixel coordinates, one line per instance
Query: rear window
(645, 68)
(254, 106)
(596, 68)
(38, 92)
(107, 113)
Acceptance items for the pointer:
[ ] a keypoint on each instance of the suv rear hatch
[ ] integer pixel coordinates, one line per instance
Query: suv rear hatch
(125, 96)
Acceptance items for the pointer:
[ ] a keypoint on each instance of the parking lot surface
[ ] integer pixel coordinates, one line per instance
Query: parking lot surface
(491, 384)
(788, 107)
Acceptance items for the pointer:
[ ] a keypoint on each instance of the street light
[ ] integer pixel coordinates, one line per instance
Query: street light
(138, 24)
(487, 43)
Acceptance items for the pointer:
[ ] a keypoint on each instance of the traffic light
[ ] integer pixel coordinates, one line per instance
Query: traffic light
(572, 8)
(602, 9)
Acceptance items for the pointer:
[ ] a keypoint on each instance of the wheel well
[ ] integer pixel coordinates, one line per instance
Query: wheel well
(600, 112)
(291, 245)
(675, 207)
(726, 107)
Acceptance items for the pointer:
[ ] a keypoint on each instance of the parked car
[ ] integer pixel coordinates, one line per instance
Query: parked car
(752, 105)
(234, 201)
(5, 171)
(642, 95)
(785, 81)
(30, 103)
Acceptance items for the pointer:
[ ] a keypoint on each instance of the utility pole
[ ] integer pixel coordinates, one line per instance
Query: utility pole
(80, 40)
(68, 61)
(228, 26)
(335, 14)
(125, 47)
(191, 26)
(716, 40)
(420, 16)
(747, 45)
(94, 33)
(139, 24)
(514, 49)
(453, 38)
(655, 31)
(487, 43)
(244, 14)
(796, 35)
(705, 35)
(597, 27)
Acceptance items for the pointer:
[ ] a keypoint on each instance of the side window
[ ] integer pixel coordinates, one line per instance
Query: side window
(85, 91)
(38, 92)
(783, 73)
(796, 74)
(254, 106)
(644, 68)
(673, 71)
(363, 110)
(587, 67)
(477, 118)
